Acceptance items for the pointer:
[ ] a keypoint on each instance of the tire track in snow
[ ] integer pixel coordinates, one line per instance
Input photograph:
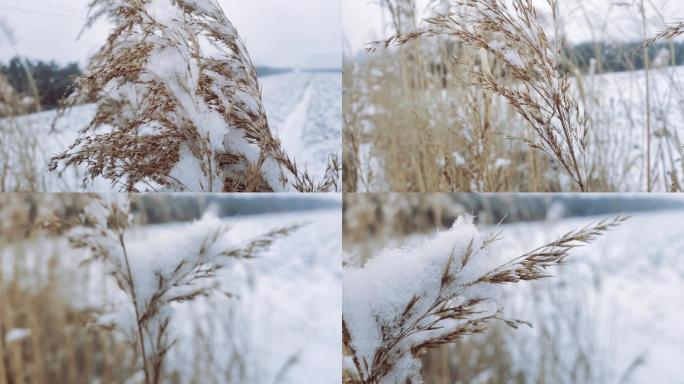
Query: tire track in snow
(292, 131)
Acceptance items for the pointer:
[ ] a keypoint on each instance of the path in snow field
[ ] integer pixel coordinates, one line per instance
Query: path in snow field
(305, 109)
(293, 127)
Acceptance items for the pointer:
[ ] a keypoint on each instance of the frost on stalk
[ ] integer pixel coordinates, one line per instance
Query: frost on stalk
(169, 266)
(404, 301)
(179, 105)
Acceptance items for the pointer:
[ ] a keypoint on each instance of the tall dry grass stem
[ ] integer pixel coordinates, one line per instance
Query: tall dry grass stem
(102, 229)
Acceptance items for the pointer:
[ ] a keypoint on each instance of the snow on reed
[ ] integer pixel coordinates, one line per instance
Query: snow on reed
(168, 267)
(404, 301)
(179, 106)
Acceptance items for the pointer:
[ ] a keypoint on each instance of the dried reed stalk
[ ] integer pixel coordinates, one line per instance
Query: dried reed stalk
(179, 106)
(102, 230)
(541, 92)
(18, 147)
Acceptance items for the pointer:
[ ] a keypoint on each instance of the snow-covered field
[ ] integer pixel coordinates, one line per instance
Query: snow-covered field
(306, 111)
(304, 108)
(619, 302)
(616, 104)
(288, 321)
(283, 324)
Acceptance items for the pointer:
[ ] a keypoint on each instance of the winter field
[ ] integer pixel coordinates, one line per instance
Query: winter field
(610, 314)
(303, 108)
(270, 319)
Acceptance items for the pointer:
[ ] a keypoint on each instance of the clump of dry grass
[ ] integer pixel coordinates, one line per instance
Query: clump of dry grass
(21, 213)
(540, 93)
(670, 32)
(173, 114)
(18, 148)
(437, 93)
(102, 230)
(458, 309)
(417, 98)
(51, 342)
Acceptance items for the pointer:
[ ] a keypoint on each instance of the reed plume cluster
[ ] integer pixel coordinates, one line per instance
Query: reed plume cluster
(540, 93)
(403, 302)
(154, 274)
(179, 106)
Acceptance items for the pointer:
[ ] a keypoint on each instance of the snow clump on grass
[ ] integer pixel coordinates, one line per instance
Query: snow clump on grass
(404, 301)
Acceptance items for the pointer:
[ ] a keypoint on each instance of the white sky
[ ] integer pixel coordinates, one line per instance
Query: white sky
(298, 33)
(363, 20)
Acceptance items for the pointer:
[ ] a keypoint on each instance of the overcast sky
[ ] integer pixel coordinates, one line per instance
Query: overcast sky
(298, 33)
(363, 20)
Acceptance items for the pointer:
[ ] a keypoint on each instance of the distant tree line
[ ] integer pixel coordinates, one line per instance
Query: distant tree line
(268, 71)
(174, 208)
(28, 210)
(511, 208)
(399, 215)
(323, 70)
(623, 57)
(52, 80)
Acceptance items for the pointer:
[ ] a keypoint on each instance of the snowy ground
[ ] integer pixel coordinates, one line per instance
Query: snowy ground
(285, 326)
(619, 301)
(291, 313)
(304, 109)
(617, 109)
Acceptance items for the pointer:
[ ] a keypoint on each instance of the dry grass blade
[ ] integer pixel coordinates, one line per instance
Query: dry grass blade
(531, 265)
(669, 33)
(256, 246)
